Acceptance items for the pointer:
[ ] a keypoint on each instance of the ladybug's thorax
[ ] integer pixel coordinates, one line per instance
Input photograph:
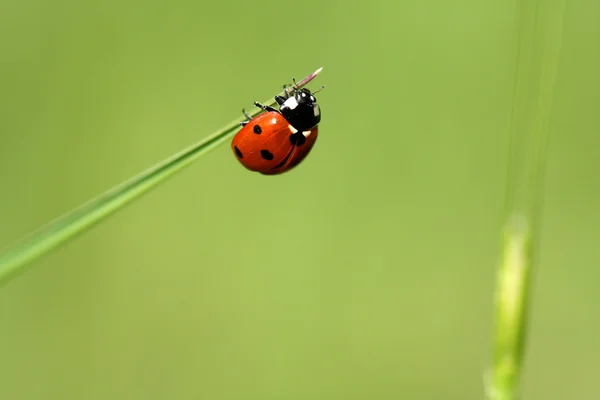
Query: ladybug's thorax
(301, 110)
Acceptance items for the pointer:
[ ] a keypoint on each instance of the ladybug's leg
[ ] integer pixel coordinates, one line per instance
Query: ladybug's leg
(280, 100)
(266, 108)
(243, 123)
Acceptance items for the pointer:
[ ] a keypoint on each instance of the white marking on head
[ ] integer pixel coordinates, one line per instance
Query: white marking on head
(312, 98)
(303, 94)
(291, 103)
(306, 133)
(294, 130)
(316, 110)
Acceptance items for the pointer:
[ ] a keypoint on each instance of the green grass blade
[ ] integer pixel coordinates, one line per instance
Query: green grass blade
(540, 36)
(15, 260)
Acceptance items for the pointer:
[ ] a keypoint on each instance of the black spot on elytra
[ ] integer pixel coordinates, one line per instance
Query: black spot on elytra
(266, 154)
(297, 139)
(257, 129)
(238, 152)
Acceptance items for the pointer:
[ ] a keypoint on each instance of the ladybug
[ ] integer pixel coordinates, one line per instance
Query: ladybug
(278, 140)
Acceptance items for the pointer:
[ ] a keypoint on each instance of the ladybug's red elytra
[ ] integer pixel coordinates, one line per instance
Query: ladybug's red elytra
(277, 140)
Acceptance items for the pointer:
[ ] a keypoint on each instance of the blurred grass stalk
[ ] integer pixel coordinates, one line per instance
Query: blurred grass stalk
(540, 24)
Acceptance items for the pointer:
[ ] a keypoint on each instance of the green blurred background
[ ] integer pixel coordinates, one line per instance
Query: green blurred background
(366, 273)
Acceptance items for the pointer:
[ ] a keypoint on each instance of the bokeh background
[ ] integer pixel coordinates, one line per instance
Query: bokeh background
(366, 273)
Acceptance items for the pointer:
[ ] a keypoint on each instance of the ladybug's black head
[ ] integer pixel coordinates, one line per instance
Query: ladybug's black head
(301, 110)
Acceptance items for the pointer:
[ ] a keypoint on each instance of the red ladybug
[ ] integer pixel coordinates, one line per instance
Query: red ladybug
(277, 140)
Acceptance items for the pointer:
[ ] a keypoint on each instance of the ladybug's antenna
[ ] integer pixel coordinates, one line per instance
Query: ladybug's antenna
(317, 91)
